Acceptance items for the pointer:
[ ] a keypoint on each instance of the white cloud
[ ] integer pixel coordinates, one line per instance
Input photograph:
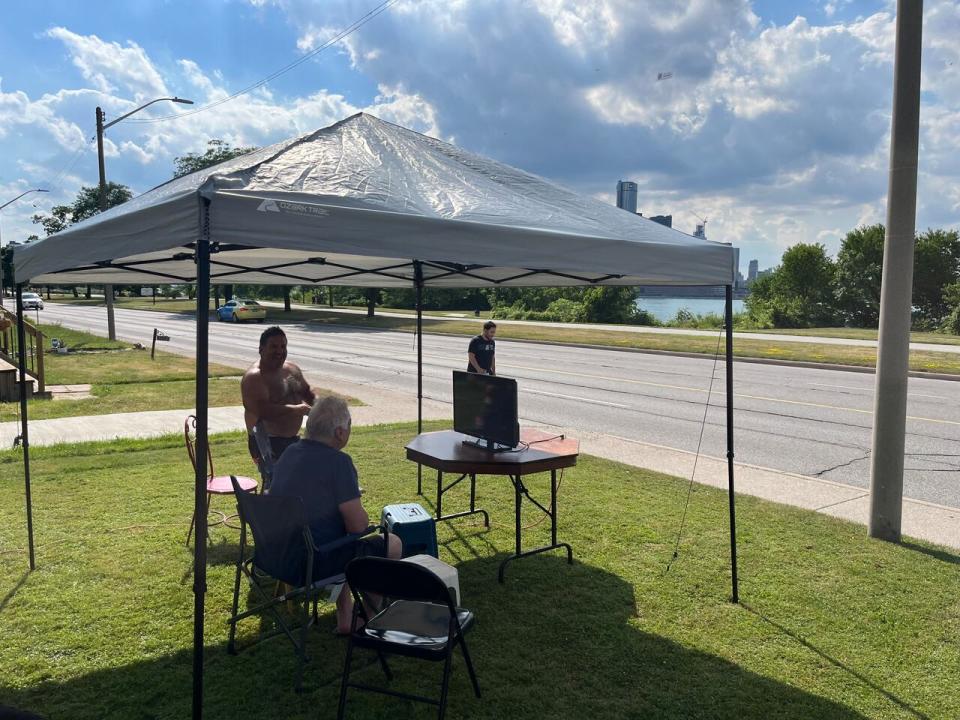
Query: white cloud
(776, 132)
(110, 66)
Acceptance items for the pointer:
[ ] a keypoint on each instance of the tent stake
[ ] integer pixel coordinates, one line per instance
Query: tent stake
(24, 437)
(728, 322)
(200, 486)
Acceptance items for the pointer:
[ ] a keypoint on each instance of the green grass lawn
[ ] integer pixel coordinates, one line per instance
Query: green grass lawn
(833, 626)
(925, 361)
(863, 334)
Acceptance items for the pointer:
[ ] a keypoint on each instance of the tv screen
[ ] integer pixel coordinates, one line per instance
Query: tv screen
(485, 407)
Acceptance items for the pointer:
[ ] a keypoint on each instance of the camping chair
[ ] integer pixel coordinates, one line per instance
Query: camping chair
(283, 550)
(216, 484)
(266, 461)
(421, 621)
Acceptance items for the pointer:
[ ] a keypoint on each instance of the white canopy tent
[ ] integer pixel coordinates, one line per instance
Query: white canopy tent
(364, 203)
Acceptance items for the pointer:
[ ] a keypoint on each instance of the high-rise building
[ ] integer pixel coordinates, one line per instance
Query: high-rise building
(700, 231)
(627, 196)
(752, 271)
(737, 277)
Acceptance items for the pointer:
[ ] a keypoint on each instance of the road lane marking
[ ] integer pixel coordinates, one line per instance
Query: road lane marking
(574, 397)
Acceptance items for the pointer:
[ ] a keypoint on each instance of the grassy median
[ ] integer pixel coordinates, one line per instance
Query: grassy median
(833, 626)
(920, 360)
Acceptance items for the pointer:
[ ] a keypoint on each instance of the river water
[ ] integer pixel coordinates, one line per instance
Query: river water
(664, 308)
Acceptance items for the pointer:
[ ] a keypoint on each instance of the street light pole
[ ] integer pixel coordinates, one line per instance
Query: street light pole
(10, 202)
(108, 289)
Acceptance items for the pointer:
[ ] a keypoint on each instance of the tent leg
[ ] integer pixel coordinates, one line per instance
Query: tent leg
(728, 322)
(418, 280)
(24, 437)
(200, 489)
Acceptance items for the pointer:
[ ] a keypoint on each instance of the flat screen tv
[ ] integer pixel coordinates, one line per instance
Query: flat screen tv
(485, 407)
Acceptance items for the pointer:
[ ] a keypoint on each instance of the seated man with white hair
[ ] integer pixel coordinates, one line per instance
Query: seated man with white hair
(317, 470)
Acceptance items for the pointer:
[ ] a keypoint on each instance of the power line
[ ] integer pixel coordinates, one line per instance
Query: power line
(346, 32)
(57, 182)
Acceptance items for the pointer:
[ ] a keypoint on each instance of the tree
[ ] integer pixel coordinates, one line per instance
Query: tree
(610, 304)
(859, 270)
(6, 264)
(936, 265)
(85, 205)
(799, 292)
(217, 151)
(951, 296)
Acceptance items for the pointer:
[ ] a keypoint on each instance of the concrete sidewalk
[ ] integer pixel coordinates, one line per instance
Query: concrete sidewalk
(927, 521)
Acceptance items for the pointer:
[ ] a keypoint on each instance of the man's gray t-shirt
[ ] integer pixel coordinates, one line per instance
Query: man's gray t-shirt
(323, 478)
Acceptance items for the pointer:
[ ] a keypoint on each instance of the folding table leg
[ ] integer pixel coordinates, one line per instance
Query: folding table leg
(517, 487)
(439, 493)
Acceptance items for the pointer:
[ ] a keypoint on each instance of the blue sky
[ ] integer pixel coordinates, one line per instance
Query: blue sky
(774, 124)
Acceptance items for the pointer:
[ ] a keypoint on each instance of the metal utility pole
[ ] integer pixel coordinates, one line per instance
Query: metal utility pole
(893, 351)
(108, 289)
(11, 202)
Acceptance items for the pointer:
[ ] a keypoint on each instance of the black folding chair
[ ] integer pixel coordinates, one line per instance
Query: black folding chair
(284, 551)
(421, 621)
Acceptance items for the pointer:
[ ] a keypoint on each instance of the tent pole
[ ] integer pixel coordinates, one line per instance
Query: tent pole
(728, 322)
(418, 283)
(200, 485)
(24, 437)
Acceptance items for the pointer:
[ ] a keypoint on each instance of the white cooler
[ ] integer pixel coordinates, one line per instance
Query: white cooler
(445, 572)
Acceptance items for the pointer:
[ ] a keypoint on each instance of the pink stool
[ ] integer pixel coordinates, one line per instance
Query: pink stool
(216, 484)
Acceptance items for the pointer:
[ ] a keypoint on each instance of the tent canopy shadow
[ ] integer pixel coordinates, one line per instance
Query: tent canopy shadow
(554, 641)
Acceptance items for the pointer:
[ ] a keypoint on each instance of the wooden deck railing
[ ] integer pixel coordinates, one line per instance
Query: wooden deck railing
(9, 349)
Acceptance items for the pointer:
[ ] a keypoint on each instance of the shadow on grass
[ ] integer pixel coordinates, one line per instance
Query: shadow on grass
(942, 555)
(13, 591)
(902, 704)
(556, 641)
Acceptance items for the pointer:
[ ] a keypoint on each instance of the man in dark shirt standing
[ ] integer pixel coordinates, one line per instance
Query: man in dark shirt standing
(317, 470)
(482, 351)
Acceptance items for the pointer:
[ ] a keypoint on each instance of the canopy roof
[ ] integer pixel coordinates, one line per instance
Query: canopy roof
(363, 202)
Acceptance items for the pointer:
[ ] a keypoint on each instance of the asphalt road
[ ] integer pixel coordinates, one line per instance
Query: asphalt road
(807, 421)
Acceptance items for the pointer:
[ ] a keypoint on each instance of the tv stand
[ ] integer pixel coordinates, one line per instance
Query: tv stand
(488, 445)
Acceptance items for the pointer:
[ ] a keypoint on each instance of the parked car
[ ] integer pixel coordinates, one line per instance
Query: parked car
(239, 310)
(32, 301)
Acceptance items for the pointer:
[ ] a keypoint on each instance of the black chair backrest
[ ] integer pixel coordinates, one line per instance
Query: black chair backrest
(267, 460)
(398, 580)
(278, 524)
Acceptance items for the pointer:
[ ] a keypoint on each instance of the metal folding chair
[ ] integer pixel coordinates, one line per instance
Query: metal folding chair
(284, 551)
(421, 621)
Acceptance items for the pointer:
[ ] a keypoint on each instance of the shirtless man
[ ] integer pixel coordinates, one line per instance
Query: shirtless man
(275, 393)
